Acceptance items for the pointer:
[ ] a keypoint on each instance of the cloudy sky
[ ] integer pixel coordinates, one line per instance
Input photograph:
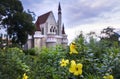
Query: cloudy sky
(80, 15)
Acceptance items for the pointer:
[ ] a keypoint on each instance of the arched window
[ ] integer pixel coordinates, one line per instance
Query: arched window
(55, 30)
(42, 31)
(51, 29)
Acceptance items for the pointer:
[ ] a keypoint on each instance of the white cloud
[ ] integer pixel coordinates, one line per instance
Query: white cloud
(86, 11)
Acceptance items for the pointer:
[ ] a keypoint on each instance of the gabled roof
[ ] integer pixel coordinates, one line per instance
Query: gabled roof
(41, 19)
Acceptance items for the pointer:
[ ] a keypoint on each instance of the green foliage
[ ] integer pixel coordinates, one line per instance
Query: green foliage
(90, 76)
(11, 63)
(32, 51)
(97, 58)
(47, 64)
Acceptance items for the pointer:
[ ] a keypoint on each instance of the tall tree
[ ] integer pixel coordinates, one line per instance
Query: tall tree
(109, 36)
(16, 20)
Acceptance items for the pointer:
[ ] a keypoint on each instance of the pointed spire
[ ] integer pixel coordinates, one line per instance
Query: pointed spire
(63, 30)
(59, 7)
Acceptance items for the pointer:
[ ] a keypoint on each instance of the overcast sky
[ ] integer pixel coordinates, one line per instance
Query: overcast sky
(77, 15)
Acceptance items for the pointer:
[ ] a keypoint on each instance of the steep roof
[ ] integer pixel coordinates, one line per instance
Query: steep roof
(41, 19)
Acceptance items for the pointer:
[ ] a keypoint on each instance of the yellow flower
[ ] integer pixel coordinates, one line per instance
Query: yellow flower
(64, 62)
(76, 69)
(108, 77)
(72, 48)
(25, 76)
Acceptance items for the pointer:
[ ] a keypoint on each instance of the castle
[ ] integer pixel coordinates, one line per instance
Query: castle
(48, 32)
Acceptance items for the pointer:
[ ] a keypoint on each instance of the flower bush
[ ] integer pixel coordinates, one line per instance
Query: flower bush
(87, 60)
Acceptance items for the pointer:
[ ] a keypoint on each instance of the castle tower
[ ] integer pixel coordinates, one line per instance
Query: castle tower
(64, 37)
(59, 20)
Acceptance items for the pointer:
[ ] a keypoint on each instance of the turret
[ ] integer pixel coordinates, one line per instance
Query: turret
(64, 37)
(63, 30)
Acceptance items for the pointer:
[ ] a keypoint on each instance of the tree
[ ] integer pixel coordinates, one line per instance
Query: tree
(109, 36)
(16, 20)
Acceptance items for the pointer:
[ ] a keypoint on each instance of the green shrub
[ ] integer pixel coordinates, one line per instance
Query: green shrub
(46, 65)
(11, 63)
